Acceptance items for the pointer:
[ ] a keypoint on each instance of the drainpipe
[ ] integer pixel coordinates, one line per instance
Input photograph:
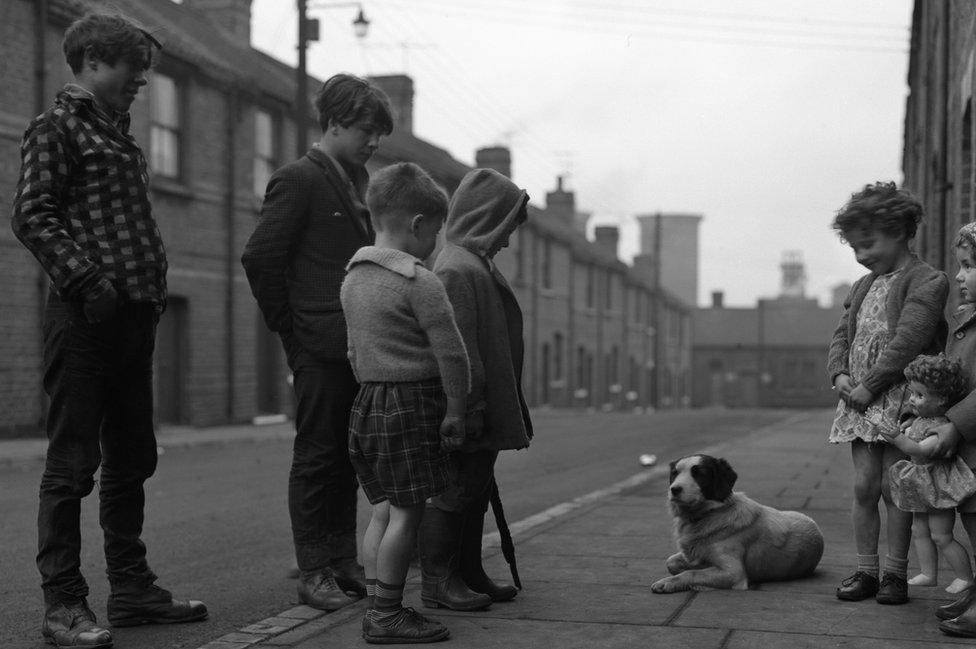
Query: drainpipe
(945, 184)
(40, 87)
(231, 254)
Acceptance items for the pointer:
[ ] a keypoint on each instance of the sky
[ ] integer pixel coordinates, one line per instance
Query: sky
(762, 116)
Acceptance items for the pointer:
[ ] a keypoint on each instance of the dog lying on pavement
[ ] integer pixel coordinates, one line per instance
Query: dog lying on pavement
(726, 540)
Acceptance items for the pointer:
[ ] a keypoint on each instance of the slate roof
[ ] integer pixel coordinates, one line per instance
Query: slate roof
(785, 323)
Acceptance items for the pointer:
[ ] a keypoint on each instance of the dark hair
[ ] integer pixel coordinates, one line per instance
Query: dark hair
(941, 375)
(881, 206)
(345, 99)
(110, 37)
(404, 189)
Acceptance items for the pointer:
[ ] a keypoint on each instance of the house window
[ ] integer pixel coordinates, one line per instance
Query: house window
(165, 131)
(557, 357)
(265, 160)
(590, 288)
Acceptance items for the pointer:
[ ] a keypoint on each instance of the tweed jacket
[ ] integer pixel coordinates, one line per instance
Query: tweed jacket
(916, 324)
(295, 259)
(961, 346)
(485, 209)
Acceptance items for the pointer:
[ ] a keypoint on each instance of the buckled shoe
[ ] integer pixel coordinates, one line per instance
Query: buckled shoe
(408, 627)
(72, 625)
(858, 586)
(141, 603)
(322, 591)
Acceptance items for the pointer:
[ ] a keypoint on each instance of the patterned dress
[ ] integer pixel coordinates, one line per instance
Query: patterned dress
(940, 484)
(870, 339)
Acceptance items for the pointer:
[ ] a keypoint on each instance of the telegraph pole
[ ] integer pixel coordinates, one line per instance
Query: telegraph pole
(301, 85)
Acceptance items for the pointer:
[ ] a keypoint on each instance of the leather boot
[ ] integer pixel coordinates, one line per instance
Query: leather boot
(966, 599)
(472, 570)
(439, 540)
(72, 625)
(962, 626)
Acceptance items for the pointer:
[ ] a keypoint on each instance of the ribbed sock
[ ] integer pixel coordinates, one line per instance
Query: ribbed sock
(370, 592)
(387, 602)
(897, 567)
(868, 563)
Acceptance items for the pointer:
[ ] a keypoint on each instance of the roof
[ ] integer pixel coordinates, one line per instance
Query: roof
(772, 323)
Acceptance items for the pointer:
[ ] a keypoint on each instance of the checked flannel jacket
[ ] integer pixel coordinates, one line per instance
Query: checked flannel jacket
(82, 203)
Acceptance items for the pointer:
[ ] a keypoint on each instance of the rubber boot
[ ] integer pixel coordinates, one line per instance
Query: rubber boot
(472, 570)
(439, 539)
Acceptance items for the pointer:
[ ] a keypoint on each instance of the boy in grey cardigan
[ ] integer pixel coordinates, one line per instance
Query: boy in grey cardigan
(410, 360)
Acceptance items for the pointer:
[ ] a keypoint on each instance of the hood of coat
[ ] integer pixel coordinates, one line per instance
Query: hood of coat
(485, 210)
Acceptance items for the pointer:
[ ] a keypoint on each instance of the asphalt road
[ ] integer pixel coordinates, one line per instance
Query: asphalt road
(217, 524)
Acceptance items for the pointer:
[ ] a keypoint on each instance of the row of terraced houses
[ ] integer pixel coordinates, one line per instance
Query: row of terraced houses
(215, 121)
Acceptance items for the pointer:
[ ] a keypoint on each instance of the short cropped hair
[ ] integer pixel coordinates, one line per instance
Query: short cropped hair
(403, 190)
(941, 375)
(345, 99)
(881, 206)
(111, 38)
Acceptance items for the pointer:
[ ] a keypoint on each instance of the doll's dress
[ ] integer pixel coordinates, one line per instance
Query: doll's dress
(938, 484)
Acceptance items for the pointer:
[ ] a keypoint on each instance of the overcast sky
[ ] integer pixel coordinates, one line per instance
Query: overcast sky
(760, 115)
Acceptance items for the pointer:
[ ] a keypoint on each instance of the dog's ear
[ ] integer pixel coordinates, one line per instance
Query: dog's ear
(673, 470)
(723, 479)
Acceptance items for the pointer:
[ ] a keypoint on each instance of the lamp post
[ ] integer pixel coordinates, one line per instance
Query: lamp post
(308, 30)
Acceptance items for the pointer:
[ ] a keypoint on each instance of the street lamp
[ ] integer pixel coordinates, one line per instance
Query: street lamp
(308, 30)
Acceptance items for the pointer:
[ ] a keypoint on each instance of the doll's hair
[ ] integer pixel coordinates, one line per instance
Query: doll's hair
(881, 206)
(941, 375)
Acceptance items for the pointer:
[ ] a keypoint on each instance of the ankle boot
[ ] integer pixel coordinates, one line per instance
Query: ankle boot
(441, 583)
(963, 626)
(472, 570)
(966, 598)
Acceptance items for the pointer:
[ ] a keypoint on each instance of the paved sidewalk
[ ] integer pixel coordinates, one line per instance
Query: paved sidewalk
(587, 567)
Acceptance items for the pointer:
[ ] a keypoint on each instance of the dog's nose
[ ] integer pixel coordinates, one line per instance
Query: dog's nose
(675, 491)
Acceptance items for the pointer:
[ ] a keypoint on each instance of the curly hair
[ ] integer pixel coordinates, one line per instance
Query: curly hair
(941, 375)
(881, 206)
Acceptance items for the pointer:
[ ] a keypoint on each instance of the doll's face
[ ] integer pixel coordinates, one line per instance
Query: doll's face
(924, 402)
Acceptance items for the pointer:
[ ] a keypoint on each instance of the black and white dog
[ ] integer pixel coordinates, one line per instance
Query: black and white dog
(726, 540)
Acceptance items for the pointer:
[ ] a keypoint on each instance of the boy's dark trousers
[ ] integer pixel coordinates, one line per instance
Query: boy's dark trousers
(322, 484)
(99, 380)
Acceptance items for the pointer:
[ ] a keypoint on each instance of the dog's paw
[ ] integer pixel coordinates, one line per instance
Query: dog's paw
(667, 585)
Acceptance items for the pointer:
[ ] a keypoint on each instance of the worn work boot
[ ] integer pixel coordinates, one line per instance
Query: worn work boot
(321, 590)
(72, 625)
(469, 563)
(966, 599)
(142, 602)
(350, 576)
(441, 583)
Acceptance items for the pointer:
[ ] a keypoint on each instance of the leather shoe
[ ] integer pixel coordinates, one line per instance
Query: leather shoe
(858, 586)
(497, 592)
(135, 604)
(893, 590)
(963, 626)
(350, 577)
(321, 590)
(408, 626)
(71, 625)
(966, 599)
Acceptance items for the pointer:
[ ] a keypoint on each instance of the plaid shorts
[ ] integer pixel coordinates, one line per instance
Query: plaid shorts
(394, 442)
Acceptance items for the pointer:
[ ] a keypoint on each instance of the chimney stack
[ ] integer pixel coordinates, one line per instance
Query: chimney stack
(607, 238)
(718, 299)
(561, 203)
(498, 158)
(399, 88)
(233, 16)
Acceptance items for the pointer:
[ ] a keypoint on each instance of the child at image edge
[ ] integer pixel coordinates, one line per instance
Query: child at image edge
(891, 315)
(410, 359)
(959, 435)
(930, 487)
